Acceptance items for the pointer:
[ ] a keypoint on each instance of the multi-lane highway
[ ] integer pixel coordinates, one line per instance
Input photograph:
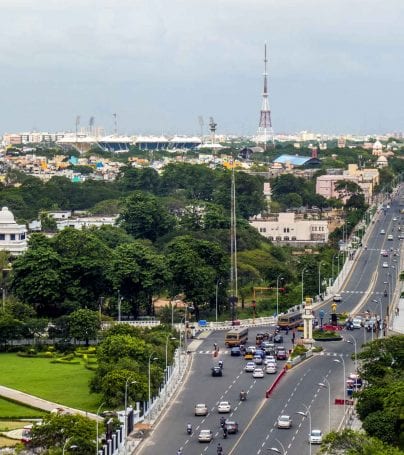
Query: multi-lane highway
(298, 390)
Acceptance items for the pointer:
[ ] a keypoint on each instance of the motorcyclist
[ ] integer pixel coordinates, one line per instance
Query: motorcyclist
(189, 428)
(220, 363)
(242, 395)
(222, 421)
(179, 452)
(225, 432)
(219, 449)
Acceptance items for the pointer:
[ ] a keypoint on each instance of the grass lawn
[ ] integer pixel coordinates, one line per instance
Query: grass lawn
(12, 410)
(6, 442)
(60, 383)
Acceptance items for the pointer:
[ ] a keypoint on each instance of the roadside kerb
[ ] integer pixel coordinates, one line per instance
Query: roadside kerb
(275, 383)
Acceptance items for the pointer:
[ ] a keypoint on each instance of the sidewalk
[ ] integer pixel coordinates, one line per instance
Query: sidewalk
(39, 403)
(398, 317)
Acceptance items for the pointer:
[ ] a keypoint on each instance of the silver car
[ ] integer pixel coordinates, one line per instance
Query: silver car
(205, 436)
(284, 421)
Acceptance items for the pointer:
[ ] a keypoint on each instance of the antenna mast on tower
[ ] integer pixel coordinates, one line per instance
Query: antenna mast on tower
(265, 131)
(212, 128)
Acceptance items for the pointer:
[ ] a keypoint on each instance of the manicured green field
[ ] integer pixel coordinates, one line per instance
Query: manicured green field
(12, 410)
(60, 383)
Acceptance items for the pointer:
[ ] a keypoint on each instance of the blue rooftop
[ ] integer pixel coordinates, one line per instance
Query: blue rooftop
(294, 160)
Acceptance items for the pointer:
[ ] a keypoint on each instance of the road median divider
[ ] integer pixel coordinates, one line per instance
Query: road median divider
(275, 383)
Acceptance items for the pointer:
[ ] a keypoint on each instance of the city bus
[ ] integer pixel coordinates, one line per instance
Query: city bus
(235, 337)
(290, 320)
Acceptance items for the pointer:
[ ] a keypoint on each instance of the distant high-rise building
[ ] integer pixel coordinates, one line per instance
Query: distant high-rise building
(265, 131)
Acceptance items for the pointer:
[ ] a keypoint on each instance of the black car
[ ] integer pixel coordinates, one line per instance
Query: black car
(235, 351)
(217, 371)
(278, 338)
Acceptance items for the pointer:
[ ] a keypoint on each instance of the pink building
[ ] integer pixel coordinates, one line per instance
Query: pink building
(325, 185)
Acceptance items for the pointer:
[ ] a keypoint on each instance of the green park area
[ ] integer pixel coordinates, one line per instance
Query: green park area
(66, 384)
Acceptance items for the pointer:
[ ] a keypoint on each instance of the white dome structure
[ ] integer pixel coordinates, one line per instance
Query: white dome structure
(13, 236)
(377, 148)
(6, 217)
(382, 161)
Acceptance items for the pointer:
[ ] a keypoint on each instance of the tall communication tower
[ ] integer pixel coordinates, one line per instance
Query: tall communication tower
(201, 124)
(212, 129)
(265, 132)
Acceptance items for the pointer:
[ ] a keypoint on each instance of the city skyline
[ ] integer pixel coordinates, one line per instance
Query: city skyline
(333, 68)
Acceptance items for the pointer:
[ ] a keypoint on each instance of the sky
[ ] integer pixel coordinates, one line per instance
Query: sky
(336, 66)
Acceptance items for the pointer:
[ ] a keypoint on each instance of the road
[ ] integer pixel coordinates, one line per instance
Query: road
(299, 387)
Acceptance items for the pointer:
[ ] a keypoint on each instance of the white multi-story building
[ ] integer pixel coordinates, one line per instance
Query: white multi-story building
(13, 236)
(289, 227)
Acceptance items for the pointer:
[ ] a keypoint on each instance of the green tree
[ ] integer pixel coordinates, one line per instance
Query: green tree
(138, 271)
(36, 278)
(84, 325)
(48, 223)
(144, 216)
(56, 429)
(352, 442)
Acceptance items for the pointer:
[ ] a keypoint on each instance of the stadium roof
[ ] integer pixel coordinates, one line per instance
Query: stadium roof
(294, 160)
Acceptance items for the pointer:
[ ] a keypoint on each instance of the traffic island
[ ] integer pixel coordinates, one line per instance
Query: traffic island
(326, 335)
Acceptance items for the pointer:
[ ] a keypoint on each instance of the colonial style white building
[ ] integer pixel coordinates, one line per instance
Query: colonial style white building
(288, 227)
(13, 236)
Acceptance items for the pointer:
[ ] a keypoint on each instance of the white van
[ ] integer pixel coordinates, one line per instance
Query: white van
(337, 298)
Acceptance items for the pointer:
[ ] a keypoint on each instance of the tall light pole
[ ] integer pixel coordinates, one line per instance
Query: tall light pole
(319, 278)
(355, 348)
(96, 438)
(306, 414)
(119, 306)
(127, 382)
(149, 389)
(275, 449)
(379, 301)
(71, 447)
(218, 282)
(279, 277)
(342, 361)
(304, 269)
(327, 386)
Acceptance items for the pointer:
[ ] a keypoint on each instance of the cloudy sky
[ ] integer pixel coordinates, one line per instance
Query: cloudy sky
(335, 65)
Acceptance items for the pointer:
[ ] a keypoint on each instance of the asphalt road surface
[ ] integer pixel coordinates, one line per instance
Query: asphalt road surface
(297, 391)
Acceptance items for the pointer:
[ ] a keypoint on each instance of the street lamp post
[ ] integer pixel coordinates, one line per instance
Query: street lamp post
(149, 388)
(327, 386)
(119, 306)
(379, 301)
(126, 411)
(319, 278)
(96, 438)
(341, 360)
(279, 277)
(306, 414)
(171, 338)
(304, 269)
(218, 282)
(355, 347)
(65, 444)
(275, 449)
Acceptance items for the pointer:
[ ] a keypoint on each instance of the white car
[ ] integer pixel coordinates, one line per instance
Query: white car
(385, 265)
(249, 367)
(395, 218)
(205, 436)
(337, 298)
(382, 231)
(284, 421)
(271, 368)
(390, 237)
(270, 359)
(224, 406)
(201, 409)
(258, 373)
(357, 323)
(316, 437)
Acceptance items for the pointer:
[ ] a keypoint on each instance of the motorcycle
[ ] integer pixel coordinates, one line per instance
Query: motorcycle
(385, 293)
(189, 430)
(243, 396)
(222, 422)
(224, 433)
